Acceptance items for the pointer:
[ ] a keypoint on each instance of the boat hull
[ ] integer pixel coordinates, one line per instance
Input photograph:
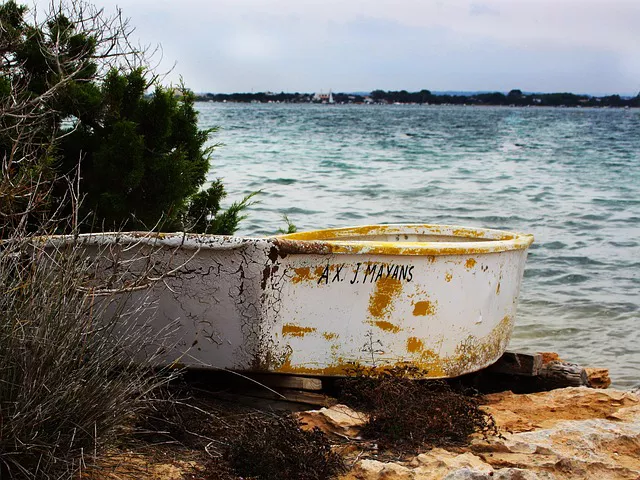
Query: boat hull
(437, 301)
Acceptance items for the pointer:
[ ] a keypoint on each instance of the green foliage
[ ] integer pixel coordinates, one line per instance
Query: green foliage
(204, 215)
(143, 159)
(291, 228)
(225, 223)
(204, 206)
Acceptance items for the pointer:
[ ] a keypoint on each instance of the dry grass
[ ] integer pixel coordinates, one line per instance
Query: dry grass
(69, 375)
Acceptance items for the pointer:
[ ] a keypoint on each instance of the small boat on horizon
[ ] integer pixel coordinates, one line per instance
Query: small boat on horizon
(325, 98)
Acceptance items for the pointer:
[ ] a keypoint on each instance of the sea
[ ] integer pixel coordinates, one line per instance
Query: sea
(569, 176)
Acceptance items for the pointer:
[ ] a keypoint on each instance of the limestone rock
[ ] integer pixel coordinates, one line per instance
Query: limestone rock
(567, 434)
(374, 469)
(519, 474)
(521, 413)
(443, 461)
(571, 449)
(337, 420)
(502, 474)
(598, 377)
(467, 474)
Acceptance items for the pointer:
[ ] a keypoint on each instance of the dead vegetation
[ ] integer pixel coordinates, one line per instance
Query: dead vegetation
(407, 414)
(275, 447)
(232, 441)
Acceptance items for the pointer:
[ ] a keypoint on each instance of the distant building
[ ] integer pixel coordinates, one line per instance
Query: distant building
(323, 97)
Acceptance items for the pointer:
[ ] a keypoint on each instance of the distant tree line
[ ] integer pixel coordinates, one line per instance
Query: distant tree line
(260, 97)
(513, 98)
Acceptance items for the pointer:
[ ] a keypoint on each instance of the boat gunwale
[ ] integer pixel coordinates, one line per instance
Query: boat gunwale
(324, 241)
(328, 241)
(188, 241)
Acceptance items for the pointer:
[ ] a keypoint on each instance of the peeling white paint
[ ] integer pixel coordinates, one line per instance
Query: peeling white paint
(440, 298)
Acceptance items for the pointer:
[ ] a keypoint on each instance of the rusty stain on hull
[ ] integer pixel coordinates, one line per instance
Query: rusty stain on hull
(474, 351)
(386, 326)
(349, 368)
(331, 233)
(248, 299)
(395, 248)
(385, 298)
(350, 240)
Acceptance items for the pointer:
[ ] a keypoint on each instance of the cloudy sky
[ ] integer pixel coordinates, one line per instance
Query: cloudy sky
(588, 46)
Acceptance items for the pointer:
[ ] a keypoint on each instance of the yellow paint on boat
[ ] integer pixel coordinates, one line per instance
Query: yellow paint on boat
(296, 330)
(386, 326)
(472, 351)
(324, 302)
(381, 300)
(423, 308)
(352, 240)
(301, 274)
(414, 345)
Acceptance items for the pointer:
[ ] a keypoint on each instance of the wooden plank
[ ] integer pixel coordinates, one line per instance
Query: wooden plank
(288, 381)
(265, 402)
(561, 374)
(512, 363)
(317, 399)
(294, 396)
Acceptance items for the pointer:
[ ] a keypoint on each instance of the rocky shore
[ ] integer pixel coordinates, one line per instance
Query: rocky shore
(567, 433)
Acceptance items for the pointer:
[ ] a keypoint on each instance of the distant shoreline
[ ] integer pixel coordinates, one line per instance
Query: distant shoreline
(515, 98)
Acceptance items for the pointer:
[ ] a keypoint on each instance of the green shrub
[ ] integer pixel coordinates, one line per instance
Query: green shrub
(77, 98)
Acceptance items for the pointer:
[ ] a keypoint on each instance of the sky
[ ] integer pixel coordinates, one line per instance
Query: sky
(581, 46)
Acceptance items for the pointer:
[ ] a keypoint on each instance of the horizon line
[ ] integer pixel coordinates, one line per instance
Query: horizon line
(434, 92)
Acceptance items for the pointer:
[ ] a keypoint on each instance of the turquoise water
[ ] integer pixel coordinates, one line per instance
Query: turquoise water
(569, 176)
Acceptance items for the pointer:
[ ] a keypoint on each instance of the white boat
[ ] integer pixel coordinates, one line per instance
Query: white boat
(324, 98)
(439, 299)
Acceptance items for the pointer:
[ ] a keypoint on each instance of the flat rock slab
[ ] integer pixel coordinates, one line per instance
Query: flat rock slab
(571, 433)
(525, 412)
